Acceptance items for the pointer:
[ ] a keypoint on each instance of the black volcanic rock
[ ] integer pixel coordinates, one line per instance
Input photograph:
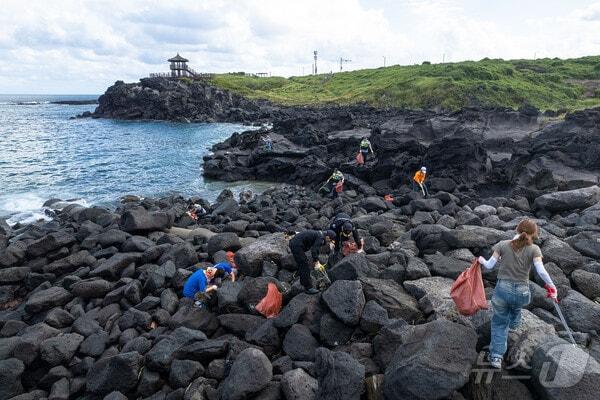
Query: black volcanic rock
(167, 99)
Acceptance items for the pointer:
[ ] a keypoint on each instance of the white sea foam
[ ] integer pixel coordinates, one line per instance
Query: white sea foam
(26, 208)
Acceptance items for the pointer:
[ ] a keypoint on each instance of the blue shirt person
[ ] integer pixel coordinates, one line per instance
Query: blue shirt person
(198, 282)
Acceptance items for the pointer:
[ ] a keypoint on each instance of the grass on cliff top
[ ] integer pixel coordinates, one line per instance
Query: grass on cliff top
(545, 83)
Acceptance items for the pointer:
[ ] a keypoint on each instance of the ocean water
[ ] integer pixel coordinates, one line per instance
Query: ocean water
(45, 154)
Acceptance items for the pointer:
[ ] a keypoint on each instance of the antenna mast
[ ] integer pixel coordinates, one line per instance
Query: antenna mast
(342, 61)
(315, 53)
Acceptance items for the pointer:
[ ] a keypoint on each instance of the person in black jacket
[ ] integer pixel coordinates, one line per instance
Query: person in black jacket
(343, 228)
(300, 244)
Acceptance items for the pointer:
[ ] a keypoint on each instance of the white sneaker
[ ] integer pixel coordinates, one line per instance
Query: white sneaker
(198, 304)
(495, 362)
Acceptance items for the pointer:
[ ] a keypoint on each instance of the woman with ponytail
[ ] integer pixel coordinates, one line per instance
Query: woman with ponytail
(515, 258)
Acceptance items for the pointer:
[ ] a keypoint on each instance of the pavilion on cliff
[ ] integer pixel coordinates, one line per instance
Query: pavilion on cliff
(179, 69)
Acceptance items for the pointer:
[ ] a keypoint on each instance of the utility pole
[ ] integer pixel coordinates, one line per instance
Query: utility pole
(443, 58)
(383, 61)
(315, 54)
(342, 61)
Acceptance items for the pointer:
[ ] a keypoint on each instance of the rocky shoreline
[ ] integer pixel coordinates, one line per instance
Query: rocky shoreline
(91, 303)
(92, 308)
(489, 151)
(172, 100)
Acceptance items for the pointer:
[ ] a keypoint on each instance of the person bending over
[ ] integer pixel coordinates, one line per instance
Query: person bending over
(303, 242)
(343, 228)
(200, 285)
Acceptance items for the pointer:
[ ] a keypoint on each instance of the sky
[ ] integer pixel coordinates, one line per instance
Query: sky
(82, 47)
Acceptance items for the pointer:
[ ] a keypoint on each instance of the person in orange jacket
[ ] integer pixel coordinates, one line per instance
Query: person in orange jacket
(418, 181)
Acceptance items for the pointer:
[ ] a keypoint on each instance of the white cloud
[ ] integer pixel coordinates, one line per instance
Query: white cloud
(70, 46)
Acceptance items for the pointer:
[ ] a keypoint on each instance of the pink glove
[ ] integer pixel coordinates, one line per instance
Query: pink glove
(551, 292)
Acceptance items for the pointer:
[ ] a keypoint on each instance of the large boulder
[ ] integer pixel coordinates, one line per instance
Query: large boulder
(587, 283)
(373, 204)
(374, 317)
(139, 220)
(563, 255)
(434, 298)
(448, 267)
(13, 275)
(227, 241)
(46, 299)
(50, 242)
(159, 358)
(194, 318)
(119, 372)
(587, 243)
(182, 255)
(294, 310)
(523, 341)
(340, 376)
(300, 344)
(391, 296)
(10, 378)
(203, 351)
(561, 371)
(429, 238)
(472, 236)
(568, 200)
(273, 247)
(250, 373)
(70, 263)
(582, 314)
(346, 300)
(298, 385)
(91, 288)
(433, 362)
(351, 267)
(60, 349)
(113, 267)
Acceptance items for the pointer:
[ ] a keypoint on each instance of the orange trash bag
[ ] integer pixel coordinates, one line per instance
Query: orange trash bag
(350, 247)
(467, 291)
(339, 187)
(270, 305)
(360, 159)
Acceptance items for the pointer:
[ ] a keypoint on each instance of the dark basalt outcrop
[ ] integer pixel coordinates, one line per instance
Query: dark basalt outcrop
(91, 303)
(497, 150)
(185, 101)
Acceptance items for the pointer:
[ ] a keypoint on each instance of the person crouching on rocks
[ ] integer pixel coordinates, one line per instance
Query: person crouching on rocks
(335, 180)
(201, 284)
(365, 147)
(511, 294)
(303, 242)
(418, 181)
(343, 228)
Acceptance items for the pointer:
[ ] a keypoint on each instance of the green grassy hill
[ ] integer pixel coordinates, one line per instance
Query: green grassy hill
(545, 83)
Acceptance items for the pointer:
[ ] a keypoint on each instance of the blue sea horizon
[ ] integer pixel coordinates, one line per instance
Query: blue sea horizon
(44, 154)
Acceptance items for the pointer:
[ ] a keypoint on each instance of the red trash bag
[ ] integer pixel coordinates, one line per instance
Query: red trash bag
(270, 305)
(339, 187)
(360, 159)
(349, 247)
(467, 291)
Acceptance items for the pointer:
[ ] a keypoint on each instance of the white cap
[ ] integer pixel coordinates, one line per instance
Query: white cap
(423, 169)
